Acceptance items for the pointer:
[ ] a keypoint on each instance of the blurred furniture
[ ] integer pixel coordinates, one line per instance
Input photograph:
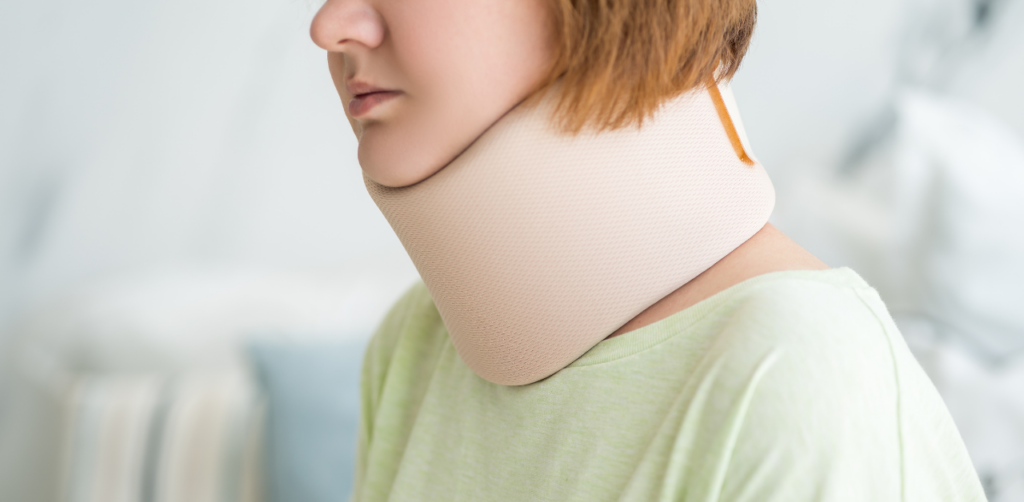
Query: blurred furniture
(194, 438)
(312, 392)
(191, 386)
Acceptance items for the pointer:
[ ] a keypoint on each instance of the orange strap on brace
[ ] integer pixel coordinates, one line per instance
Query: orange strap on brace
(723, 115)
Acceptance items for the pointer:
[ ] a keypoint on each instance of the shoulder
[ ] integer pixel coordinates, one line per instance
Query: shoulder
(805, 372)
(823, 354)
(821, 387)
(824, 323)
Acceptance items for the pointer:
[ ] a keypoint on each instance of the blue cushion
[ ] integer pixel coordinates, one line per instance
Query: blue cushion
(313, 412)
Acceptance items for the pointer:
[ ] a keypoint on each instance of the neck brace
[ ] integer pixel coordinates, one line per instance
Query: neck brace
(536, 245)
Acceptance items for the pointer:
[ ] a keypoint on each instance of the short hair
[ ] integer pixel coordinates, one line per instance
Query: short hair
(617, 61)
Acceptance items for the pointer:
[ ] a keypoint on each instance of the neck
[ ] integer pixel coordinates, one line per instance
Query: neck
(769, 250)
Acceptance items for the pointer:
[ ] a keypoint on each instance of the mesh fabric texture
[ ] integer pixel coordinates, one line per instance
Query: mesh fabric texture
(536, 245)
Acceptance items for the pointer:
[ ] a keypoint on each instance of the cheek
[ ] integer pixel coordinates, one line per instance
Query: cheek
(467, 55)
(464, 64)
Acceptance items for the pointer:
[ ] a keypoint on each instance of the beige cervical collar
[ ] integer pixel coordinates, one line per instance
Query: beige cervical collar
(536, 245)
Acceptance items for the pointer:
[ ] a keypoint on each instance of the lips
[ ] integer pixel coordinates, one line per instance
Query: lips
(361, 104)
(366, 96)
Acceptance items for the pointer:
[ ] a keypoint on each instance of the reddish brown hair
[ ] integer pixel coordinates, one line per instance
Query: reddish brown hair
(617, 61)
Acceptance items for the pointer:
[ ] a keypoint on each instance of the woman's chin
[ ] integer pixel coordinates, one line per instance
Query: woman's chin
(398, 153)
(396, 167)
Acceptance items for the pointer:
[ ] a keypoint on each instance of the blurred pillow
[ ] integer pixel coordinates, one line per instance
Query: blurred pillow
(968, 168)
(312, 391)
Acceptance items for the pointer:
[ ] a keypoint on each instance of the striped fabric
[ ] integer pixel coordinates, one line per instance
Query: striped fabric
(194, 438)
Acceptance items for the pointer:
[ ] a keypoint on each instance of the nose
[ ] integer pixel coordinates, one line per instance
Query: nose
(341, 23)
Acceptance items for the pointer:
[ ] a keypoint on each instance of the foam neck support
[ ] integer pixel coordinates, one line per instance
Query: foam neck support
(536, 245)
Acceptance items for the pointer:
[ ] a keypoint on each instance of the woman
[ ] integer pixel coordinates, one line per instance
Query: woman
(605, 313)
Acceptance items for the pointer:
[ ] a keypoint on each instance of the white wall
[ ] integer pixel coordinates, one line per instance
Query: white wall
(139, 135)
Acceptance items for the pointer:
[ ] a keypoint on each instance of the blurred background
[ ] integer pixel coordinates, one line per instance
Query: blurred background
(190, 265)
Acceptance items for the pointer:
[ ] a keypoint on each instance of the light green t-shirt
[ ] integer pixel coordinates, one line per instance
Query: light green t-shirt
(791, 386)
